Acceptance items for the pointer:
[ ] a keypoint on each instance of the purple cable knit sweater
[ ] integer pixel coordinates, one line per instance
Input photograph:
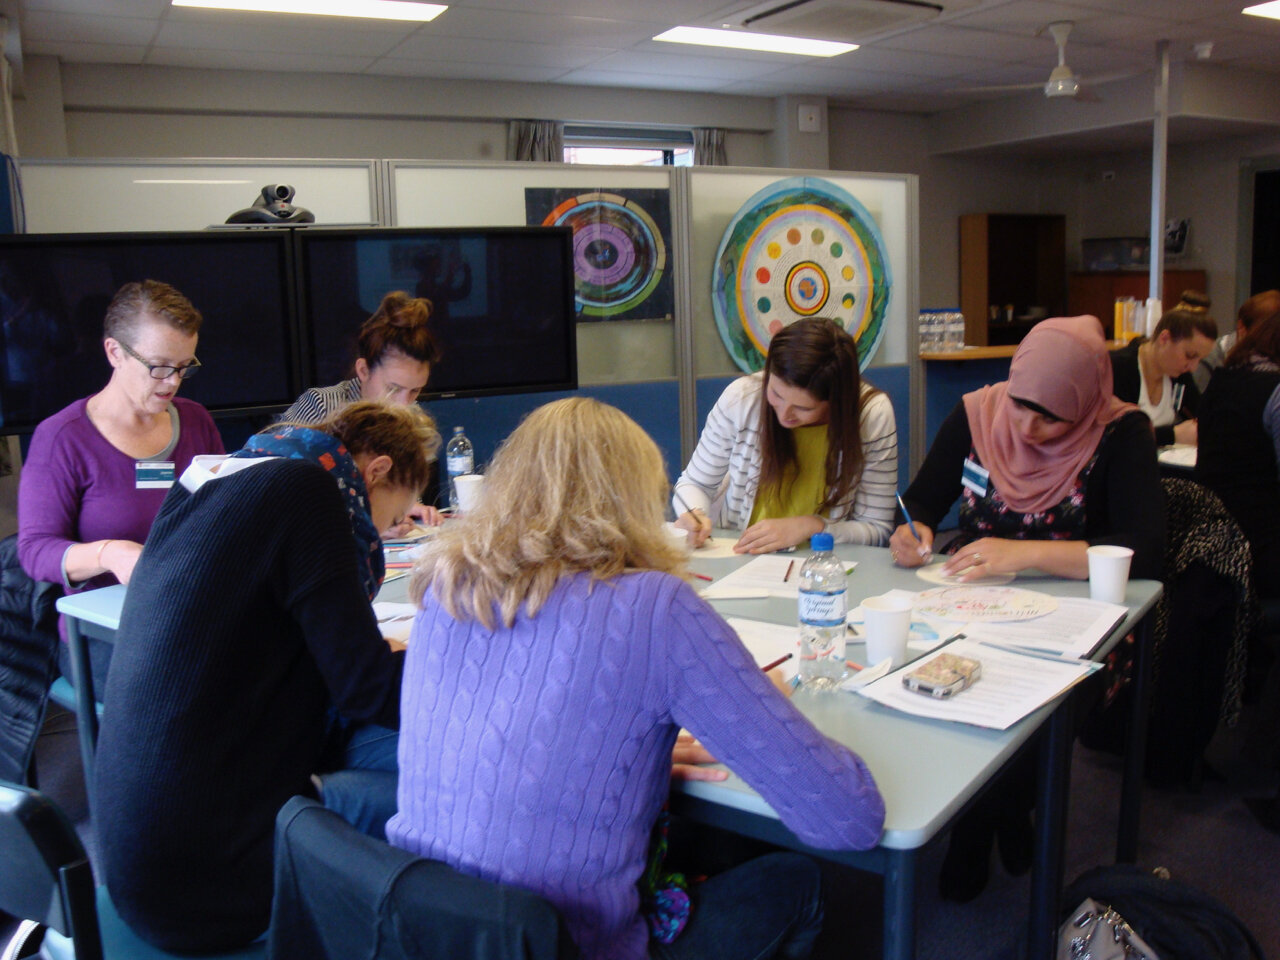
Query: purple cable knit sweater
(540, 755)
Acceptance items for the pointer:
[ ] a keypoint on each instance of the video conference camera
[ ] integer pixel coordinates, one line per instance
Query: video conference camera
(273, 206)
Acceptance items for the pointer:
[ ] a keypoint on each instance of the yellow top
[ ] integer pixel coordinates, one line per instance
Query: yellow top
(808, 486)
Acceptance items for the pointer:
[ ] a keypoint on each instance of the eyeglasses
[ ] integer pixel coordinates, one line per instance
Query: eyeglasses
(162, 371)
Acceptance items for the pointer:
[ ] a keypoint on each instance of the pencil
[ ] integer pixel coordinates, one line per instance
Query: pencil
(777, 663)
(911, 525)
(687, 509)
(787, 576)
(703, 576)
(853, 666)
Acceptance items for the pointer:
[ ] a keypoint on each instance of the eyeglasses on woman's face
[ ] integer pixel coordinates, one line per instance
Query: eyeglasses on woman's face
(162, 371)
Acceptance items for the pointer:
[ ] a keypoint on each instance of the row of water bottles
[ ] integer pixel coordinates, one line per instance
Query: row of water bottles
(941, 330)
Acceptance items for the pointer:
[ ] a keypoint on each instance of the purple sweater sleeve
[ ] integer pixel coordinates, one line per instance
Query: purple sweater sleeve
(49, 492)
(821, 790)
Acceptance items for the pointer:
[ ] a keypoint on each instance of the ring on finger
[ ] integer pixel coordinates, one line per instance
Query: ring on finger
(977, 559)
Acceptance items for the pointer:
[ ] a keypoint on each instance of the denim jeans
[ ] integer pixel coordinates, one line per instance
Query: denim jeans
(361, 786)
(767, 907)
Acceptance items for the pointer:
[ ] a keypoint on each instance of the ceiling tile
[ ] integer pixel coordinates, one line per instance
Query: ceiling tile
(918, 64)
(112, 8)
(609, 78)
(423, 46)
(270, 37)
(500, 25)
(465, 71)
(255, 60)
(724, 70)
(984, 44)
(42, 25)
(85, 52)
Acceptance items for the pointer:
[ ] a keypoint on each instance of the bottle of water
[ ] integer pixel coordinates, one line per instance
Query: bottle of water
(955, 330)
(459, 459)
(823, 605)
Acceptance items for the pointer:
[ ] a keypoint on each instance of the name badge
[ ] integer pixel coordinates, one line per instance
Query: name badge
(153, 474)
(975, 477)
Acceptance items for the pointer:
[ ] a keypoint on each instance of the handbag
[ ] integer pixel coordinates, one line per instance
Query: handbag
(1096, 932)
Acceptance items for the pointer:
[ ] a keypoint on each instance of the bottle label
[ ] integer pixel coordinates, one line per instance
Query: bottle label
(823, 609)
(459, 465)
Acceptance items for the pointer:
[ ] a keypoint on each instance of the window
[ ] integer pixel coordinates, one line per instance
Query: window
(631, 147)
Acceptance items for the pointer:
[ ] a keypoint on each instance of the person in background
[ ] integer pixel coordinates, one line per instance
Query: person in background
(557, 653)
(1156, 374)
(248, 622)
(1044, 464)
(1258, 307)
(395, 351)
(803, 446)
(98, 470)
(1239, 460)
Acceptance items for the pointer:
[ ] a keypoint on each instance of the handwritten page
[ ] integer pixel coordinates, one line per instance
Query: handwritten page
(769, 641)
(716, 548)
(1012, 685)
(768, 575)
(1073, 630)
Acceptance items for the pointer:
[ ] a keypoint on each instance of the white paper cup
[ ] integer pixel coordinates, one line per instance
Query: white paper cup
(679, 538)
(468, 486)
(1108, 572)
(887, 620)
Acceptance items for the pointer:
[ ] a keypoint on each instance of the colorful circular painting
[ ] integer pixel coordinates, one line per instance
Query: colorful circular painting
(619, 255)
(801, 247)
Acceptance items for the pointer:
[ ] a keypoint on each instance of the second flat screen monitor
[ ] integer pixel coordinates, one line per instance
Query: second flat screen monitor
(503, 310)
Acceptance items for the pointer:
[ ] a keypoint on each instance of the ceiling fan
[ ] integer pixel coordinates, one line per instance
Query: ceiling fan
(1062, 81)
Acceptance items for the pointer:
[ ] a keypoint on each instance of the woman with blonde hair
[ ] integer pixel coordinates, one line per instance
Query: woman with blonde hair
(557, 653)
(247, 626)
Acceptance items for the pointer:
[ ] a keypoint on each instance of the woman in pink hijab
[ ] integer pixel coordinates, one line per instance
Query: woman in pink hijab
(1044, 465)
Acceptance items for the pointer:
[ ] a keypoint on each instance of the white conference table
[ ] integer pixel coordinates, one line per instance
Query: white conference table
(927, 770)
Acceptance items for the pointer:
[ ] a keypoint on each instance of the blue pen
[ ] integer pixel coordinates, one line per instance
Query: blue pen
(924, 551)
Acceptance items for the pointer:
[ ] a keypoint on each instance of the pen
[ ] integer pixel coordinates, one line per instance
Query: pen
(777, 663)
(703, 576)
(853, 666)
(911, 525)
(687, 509)
(787, 576)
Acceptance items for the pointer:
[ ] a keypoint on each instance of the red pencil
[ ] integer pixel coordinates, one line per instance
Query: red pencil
(777, 663)
(703, 576)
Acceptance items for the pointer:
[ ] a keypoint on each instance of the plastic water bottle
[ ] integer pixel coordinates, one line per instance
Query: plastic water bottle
(459, 459)
(824, 602)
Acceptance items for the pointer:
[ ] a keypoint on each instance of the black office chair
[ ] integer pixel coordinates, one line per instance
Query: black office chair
(342, 895)
(46, 877)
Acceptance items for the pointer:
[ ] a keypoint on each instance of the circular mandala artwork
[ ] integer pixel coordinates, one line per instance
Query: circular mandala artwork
(618, 253)
(801, 247)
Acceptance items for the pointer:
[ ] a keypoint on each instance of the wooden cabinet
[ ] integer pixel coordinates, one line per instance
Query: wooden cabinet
(1011, 259)
(1096, 293)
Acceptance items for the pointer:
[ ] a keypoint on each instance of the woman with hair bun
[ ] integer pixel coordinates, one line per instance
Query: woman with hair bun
(1156, 374)
(395, 352)
(803, 446)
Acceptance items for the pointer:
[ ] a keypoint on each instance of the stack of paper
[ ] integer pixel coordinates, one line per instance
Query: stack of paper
(1012, 685)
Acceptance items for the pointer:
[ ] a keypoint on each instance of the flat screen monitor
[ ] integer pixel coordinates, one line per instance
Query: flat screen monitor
(503, 307)
(54, 291)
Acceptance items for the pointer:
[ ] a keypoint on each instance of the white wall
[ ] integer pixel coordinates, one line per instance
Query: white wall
(874, 142)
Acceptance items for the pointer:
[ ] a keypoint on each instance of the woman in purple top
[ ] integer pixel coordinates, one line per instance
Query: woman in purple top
(557, 653)
(98, 470)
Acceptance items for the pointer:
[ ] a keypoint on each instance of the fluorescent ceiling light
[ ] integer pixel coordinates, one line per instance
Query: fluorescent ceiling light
(1271, 9)
(768, 42)
(365, 9)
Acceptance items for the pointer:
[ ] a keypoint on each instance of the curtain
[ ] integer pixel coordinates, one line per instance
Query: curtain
(536, 140)
(708, 147)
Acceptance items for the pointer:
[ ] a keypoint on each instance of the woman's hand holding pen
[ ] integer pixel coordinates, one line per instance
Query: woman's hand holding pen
(697, 523)
(912, 550)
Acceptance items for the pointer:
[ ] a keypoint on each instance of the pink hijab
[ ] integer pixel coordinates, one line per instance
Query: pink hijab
(1062, 366)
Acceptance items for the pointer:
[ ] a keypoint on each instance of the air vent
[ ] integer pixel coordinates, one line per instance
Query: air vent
(852, 21)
